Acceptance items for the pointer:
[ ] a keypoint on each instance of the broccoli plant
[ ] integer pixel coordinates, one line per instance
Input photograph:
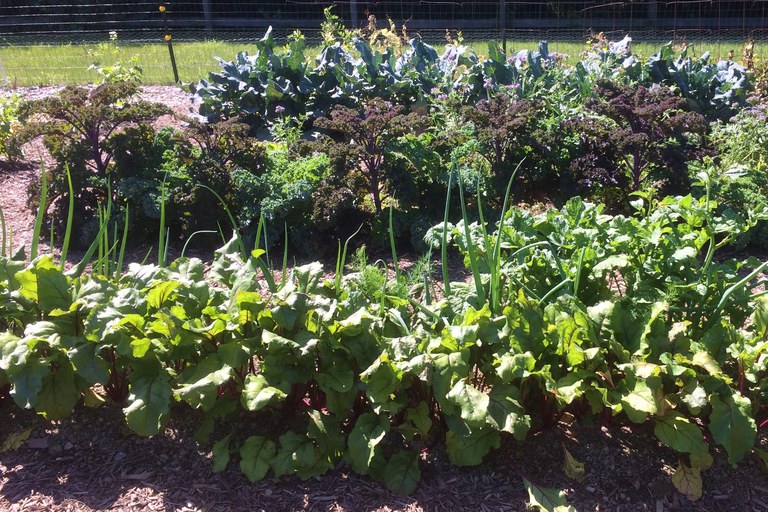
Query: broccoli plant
(362, 141)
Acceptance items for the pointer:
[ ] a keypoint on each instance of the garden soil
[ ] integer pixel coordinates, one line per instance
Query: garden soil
(93, 462)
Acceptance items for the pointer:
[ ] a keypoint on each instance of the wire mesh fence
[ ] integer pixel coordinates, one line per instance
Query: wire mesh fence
(33, 32)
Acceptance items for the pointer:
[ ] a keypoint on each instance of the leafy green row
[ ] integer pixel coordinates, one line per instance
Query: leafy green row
(351, 69)
(571, 311)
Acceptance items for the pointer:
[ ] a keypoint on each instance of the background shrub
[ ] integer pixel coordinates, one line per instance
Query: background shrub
(742, 147)
(9, 125)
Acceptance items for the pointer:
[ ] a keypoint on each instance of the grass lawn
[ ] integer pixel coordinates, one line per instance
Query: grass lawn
(27, 65)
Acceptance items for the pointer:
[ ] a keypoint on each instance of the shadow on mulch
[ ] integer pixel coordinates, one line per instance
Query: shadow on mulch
(93, 462)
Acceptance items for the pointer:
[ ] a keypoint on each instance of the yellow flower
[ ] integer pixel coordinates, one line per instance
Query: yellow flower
(162, 8)
(167, 38)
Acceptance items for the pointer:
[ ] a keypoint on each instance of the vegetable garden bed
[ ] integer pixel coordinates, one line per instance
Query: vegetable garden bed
(622, 324)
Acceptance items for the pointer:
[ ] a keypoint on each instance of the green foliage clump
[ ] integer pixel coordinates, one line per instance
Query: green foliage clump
(107, 65)
(253, 87)
(634, 138)
(283, 194)
(742, 148)
(10, 147)
(86, 131)
(169, 167)
(612, 319)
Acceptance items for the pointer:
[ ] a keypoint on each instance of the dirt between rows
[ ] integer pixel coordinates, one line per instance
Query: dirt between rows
(93, 462)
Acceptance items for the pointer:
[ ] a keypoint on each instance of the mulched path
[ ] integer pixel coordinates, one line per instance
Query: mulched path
(93, 462)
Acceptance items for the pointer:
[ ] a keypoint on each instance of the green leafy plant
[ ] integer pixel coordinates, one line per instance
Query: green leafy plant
(81, 128)
(624, 319)
(282, 192)
(9, 126)
(115, 71)
(182, 164)
(274, 83)
(637, 139)
(253, 87)
(715, 90)
(742, 147)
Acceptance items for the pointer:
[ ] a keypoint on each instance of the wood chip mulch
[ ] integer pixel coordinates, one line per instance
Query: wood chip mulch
(93, 462)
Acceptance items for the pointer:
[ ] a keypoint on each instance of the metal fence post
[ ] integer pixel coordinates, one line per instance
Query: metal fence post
(207, 15)
(164, 12)
(503, 23)
(353, 13)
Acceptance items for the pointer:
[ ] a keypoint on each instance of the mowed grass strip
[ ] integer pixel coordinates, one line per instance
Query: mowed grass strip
(31, 65)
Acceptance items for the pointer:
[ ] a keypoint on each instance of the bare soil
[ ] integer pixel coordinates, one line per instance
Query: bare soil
(93, 462)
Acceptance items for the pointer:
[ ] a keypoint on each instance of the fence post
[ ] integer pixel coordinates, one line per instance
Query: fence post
(503, 23)
(353, 13)
(207, 15)
(164, 12)
(652, 13)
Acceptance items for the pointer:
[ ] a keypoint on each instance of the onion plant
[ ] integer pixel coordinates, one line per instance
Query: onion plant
(40, 214)
(6, 236)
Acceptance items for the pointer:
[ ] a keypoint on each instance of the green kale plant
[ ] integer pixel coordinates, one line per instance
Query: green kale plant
(742, 157)
(206, 157)
(282, 195)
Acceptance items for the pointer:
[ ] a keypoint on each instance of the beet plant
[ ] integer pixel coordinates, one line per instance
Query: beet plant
(609, 319)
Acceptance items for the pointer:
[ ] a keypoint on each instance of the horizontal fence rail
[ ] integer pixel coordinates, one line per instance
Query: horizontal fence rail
(84, 19)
